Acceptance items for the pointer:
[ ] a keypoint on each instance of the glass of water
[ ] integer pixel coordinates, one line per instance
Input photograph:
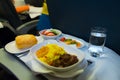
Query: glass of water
(97, 41)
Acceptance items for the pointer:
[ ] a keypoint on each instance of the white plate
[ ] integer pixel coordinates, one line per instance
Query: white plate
(68, 49)
(12, 48)
(38, 68)
(73, 38)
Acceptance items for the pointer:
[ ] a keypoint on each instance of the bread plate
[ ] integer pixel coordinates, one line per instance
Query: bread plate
(12, 48)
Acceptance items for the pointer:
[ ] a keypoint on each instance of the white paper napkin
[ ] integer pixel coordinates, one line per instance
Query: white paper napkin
(35, 11)
(1, 25)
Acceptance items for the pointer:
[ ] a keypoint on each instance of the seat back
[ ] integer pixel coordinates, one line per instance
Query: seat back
(37, 3)
(77, 17)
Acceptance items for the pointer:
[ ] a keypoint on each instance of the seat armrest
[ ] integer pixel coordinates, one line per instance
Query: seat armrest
(5, 23)
(26, 27)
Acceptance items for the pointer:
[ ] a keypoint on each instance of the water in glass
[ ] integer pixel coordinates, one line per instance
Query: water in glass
(96, 43)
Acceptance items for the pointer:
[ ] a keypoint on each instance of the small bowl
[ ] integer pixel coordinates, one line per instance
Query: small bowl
(50, 33)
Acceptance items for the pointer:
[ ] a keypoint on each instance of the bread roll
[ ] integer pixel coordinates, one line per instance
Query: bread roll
(25, 41)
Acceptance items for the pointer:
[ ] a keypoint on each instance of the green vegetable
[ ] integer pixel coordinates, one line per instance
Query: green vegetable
(68, 39)
(54, 31)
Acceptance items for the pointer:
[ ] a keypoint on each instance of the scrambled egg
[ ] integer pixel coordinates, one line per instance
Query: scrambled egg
(49, 53)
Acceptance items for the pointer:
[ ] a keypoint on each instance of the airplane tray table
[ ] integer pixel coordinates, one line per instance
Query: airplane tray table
(104, 64)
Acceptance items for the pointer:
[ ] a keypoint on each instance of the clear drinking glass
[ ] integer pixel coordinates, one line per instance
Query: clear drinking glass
(97, 41)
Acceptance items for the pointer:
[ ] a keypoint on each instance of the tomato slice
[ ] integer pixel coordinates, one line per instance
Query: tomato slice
(50, 34)
(43, 32)
(62, 39)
